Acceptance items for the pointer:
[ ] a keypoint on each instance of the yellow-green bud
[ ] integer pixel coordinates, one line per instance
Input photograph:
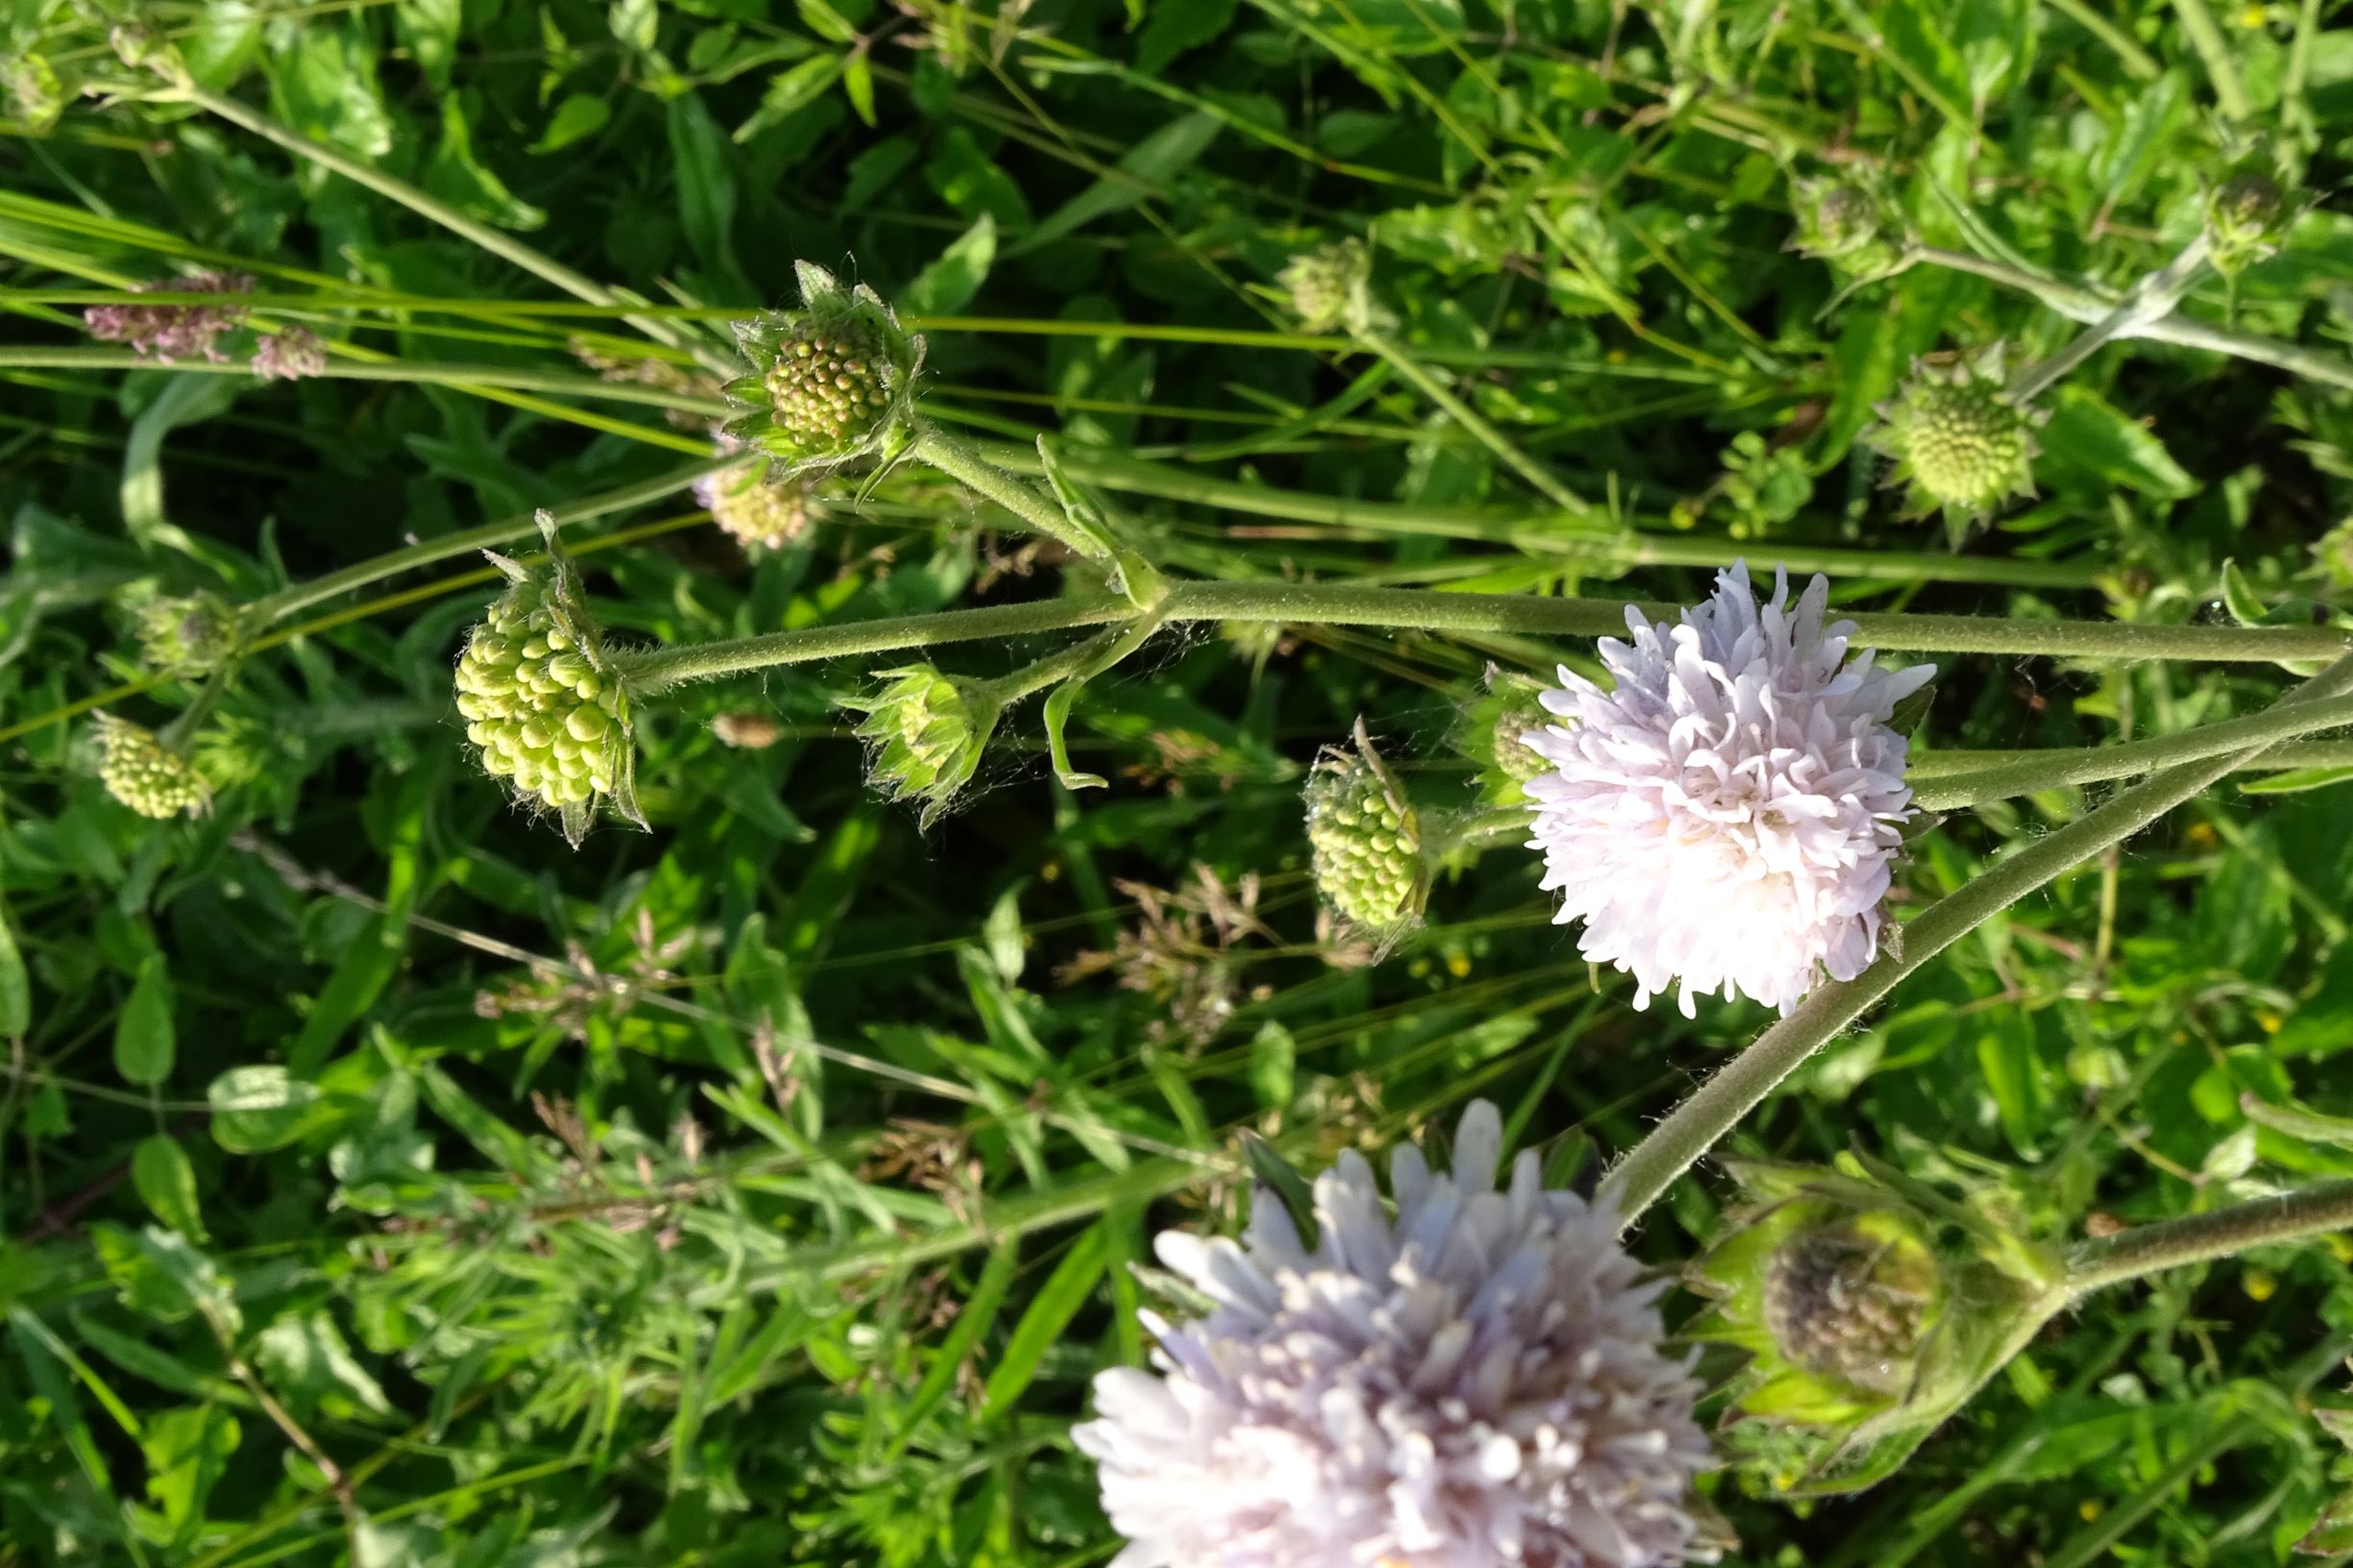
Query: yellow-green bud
(1330, 287)
(1365, 842)
(1960, 441)
(1850, 1301)
(2246, 215)
(30, 91)
(185, 634)
(832, 383)
(138, 770)
(541, 700)
(927, 731)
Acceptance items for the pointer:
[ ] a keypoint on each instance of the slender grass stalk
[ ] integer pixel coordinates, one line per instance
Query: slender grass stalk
(2057, 768)
(1546, 482)
(499, 244)
(1696, 1126)
(2214, 52)
(570, 384)
(2220, 1233)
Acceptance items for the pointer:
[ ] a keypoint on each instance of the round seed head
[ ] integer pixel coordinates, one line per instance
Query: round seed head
(1960, 442)
(830, 384)
(542, 702)
(138, 770)
(1365, 843)
(926, 732)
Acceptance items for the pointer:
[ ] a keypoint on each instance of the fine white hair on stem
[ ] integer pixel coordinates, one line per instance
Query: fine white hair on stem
(1478, 1379)
(1723, 818)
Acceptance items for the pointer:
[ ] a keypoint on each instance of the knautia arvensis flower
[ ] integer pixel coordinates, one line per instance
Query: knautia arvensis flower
(749, 507)
(926, 732)
(1331, 286)
(173, 332)
(831, 385)
(1495, 732)
(1869, 1310)
(1477, 1379)
(542, 701)
(137, 770)
(1364, 842)
(1961, 443)
(1724, 817)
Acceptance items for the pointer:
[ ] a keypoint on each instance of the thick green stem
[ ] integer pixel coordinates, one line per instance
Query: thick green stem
(502, 245)
(1470, 419)
(2152, 299)
(955, 458)
(1569, 535)
(2221, 1233)
(301, 596)
(570, 383)
(2182, 331)
(2057, 769)
(1696, 1126)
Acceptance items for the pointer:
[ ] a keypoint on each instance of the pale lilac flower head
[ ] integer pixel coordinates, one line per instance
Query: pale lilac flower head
(289, 355)
(1724, 817)
(173, 332)
(757, 510)
(1473, 1381)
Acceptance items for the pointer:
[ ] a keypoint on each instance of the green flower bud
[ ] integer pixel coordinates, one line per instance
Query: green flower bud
(1495, 732)
(832, 383)
(2246, 215)
(185, 634)
(1848, 225)
(1331, 286)
(1871, 1310)
(30, 91)
(541, 701)
(927, 731)
(1960, 442)
(756, 514)
(139, 771)
(1365, 842)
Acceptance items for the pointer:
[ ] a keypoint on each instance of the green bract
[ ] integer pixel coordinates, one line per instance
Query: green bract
(1871, 1311)
(832, 383)
(138, 770)
(1960, 442)
(542, 701)
(1365, 843)
(1495, 735)
(928, 731)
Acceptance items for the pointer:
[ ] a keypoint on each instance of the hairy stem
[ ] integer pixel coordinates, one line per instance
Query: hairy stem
(2221, 1233)
(2152, 299)
(2056, 768)
(956, 458)
(1322, 603)
(1696, 1126)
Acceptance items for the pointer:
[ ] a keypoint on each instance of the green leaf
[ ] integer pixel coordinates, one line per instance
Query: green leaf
(144, 1043)
(1152, 163)
(1279, 1176)
(705, 177)
(457, 177)
(2091, 443)
(158, 1275)
(15, 989)
(858, 82)
(578, 117)
(184, 399)
(2296, 780)
(259, 1108)
(947, 285)
(187, 1451)
(1057, 1302)
(310, 1365)
(1274, 1059)
(166, 1183)
(979, 1312)
(789, 92)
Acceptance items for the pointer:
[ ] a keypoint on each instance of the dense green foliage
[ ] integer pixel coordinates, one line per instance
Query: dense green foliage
(382, 1180)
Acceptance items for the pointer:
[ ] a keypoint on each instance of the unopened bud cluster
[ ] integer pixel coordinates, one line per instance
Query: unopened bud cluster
(753, 512)
(832, 383)
(1330, 287)
(1849, 1304)
(137, 770)
(1365, 844)
(185, 634)
(541, 700)
(1960, 441)
(2246, 215)
(928, 731)
(1848, 225)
